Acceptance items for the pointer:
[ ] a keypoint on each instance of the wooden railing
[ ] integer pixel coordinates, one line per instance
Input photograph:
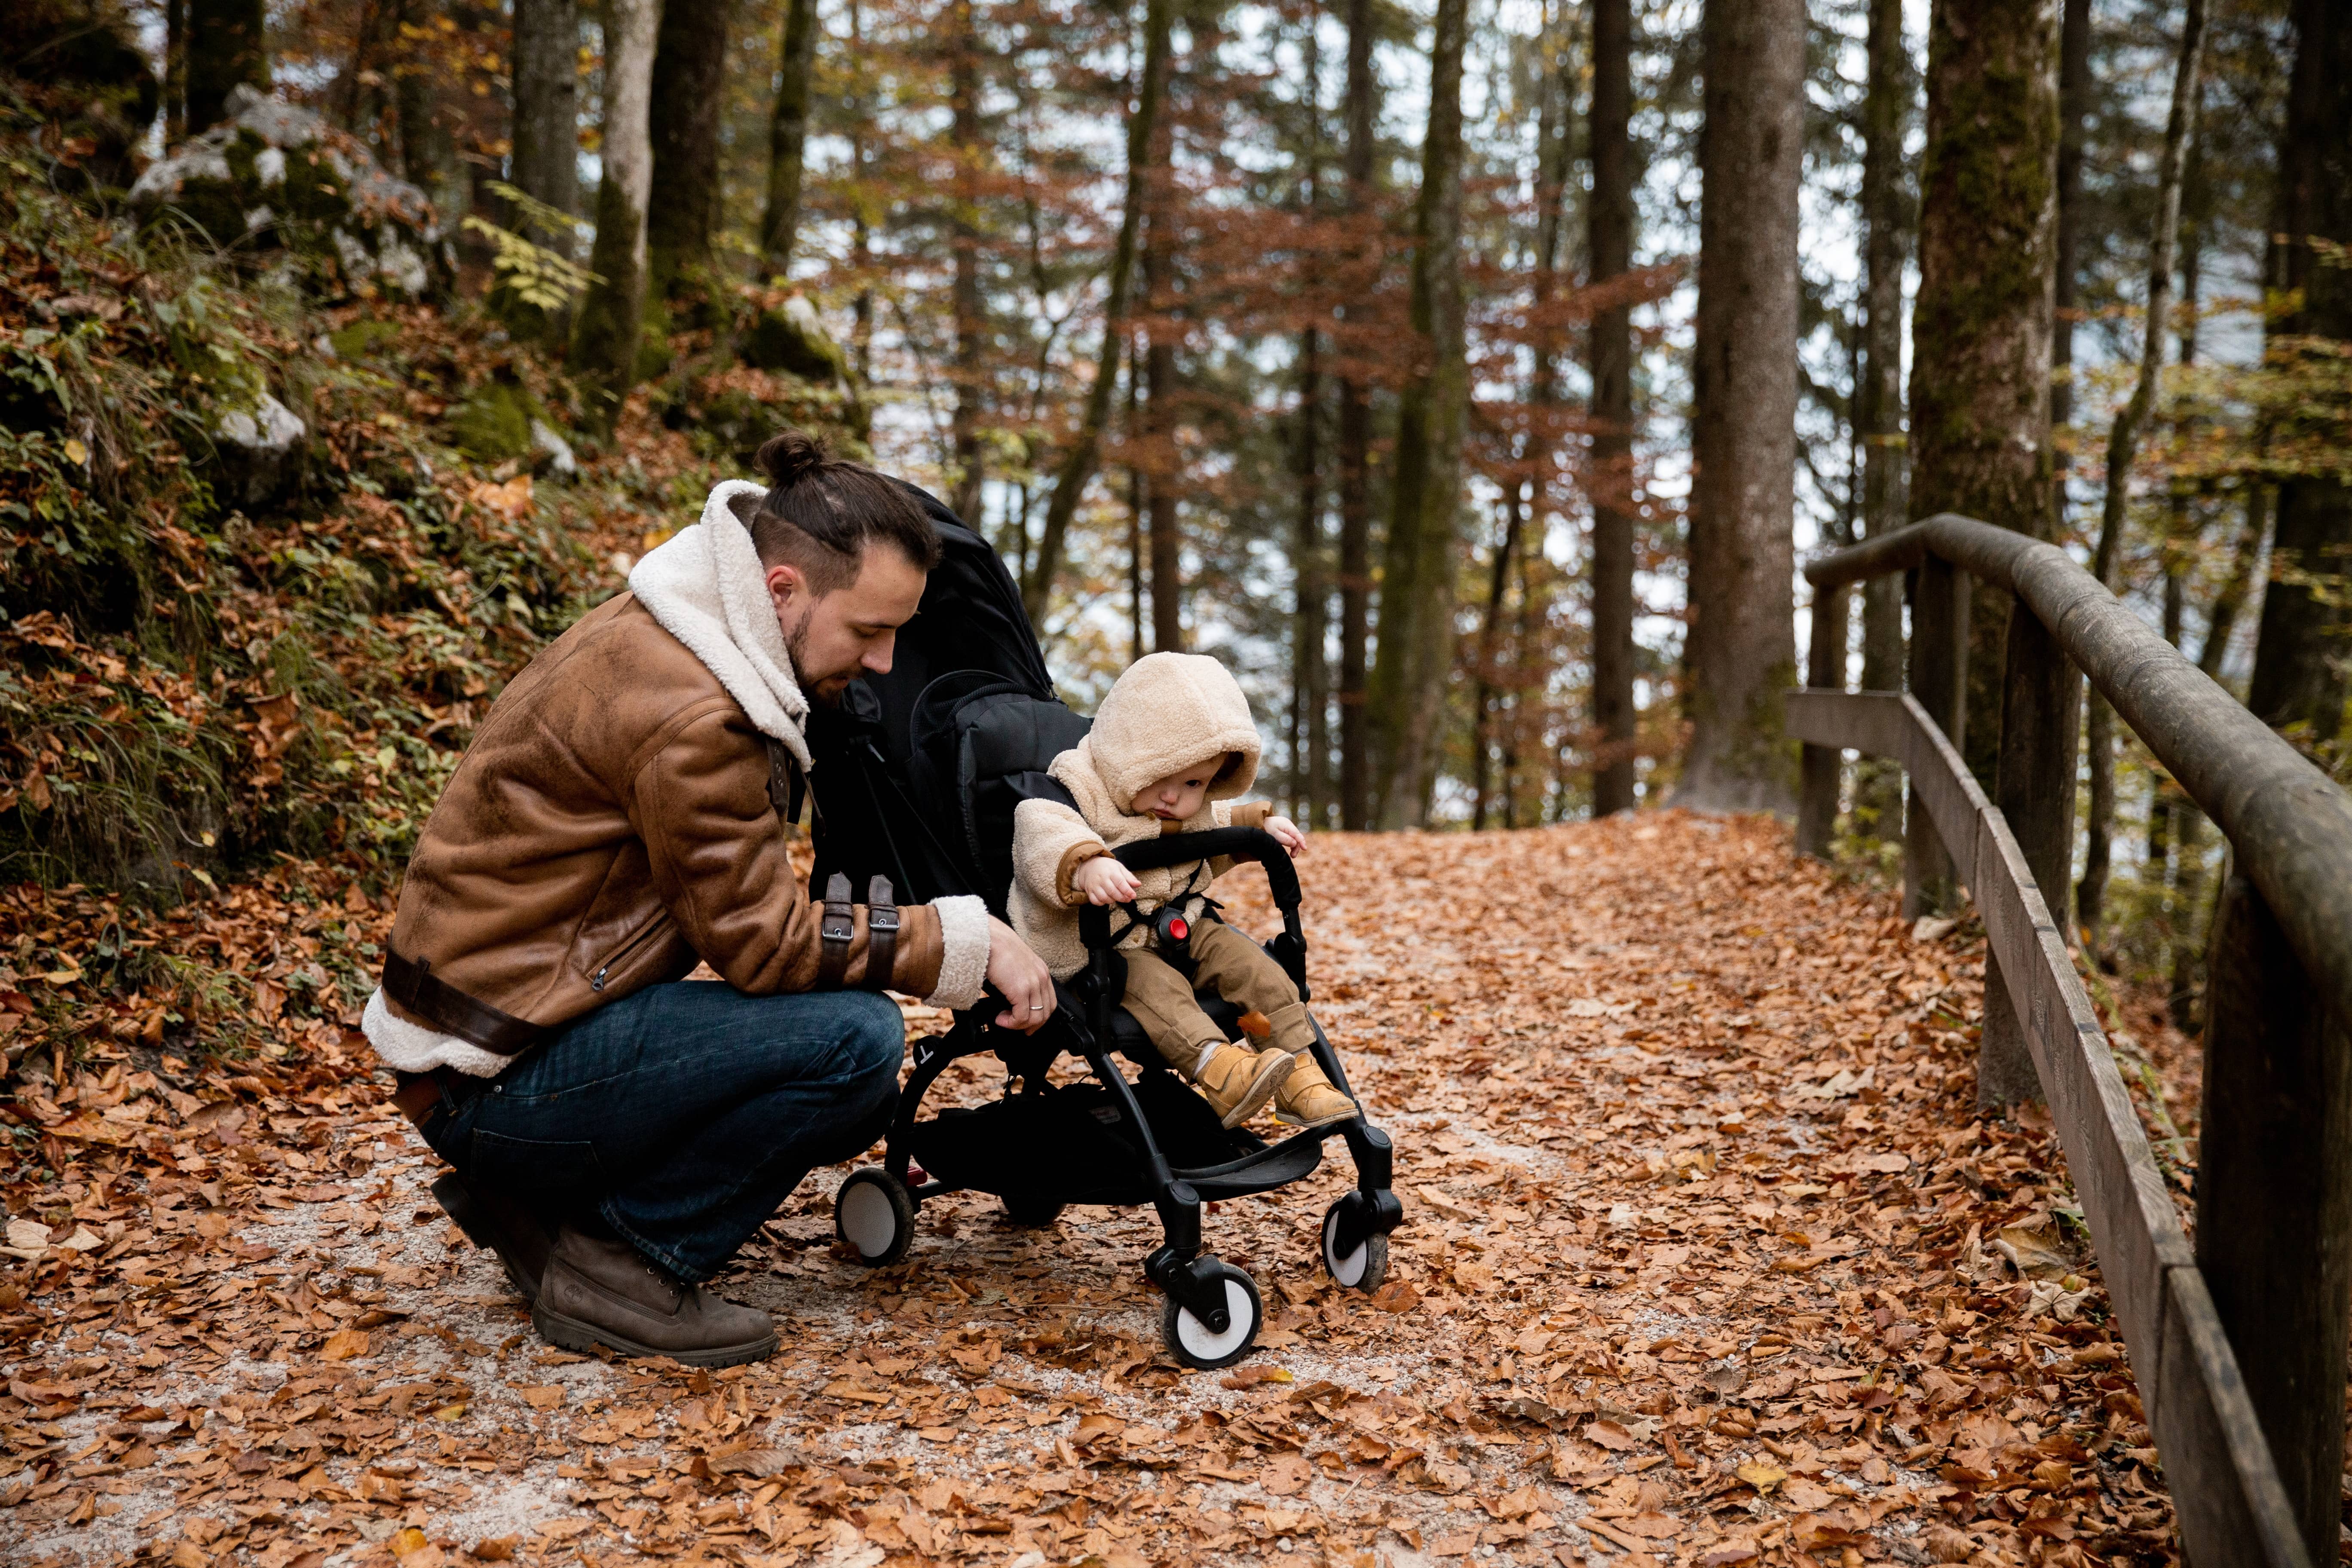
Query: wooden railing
(2238, 1346)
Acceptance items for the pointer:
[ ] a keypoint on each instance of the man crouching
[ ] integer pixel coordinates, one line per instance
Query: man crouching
(618, 1133)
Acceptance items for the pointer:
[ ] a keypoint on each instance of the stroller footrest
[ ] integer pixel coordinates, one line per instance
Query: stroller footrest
(1262, 1170)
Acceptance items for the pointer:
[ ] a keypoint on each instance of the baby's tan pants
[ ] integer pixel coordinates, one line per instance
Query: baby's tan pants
(1225, 961)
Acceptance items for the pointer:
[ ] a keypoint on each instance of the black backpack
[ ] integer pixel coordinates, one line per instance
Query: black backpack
(917, 772)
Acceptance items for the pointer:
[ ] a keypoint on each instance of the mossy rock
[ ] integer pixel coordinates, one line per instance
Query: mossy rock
(493, 424)
(790, 338)
(362, 337)
(272, 174)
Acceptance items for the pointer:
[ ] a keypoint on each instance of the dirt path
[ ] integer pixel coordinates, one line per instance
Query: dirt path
(1707, 1262)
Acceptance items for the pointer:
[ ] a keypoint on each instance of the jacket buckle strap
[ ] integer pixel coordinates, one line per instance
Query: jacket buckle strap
(881, 934)
(835, 934)
(413, 984)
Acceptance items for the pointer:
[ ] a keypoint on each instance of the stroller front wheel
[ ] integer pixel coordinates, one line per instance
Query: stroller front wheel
(1362, 1266)
(874, 1213)
(1198, 1346)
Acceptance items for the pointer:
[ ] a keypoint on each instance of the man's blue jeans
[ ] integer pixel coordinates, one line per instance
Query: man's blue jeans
(684, 1113)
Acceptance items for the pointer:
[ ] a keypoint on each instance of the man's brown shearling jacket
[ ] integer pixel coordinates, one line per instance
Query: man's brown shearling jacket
(610, 825)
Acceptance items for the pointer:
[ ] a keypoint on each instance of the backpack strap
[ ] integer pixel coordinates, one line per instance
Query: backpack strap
(881, 934)
(787, 785)
(835, 934)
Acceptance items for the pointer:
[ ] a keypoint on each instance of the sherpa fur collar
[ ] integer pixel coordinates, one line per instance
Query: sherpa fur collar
(1168, 712)
(708, 588)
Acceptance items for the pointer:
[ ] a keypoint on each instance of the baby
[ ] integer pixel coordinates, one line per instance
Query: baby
(1170, 748)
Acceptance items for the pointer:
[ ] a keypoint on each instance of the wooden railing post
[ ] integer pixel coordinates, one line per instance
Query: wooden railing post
(1817, 799)
(2274, 1198)
(1939, 645)
(2041, 715)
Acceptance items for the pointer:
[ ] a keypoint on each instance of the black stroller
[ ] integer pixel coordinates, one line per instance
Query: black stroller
(917, 778)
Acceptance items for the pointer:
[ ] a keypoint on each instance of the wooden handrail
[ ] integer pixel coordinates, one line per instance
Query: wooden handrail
(2239, 1348)
(2290, 825)
(2232, 1505)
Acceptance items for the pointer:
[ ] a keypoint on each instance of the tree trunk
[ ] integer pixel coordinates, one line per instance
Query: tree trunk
(788, 138)
(2074, 116)
(1160, 335)
(1138, 493)
(1888, 106)
(227, 47)
(175, 72)
(1310, 696)
(970, 328)
(360, 97)
(1407, 692)
(1490, 627)
(1355, 459)
(2188, 972)
(1077, 470)
(2300, 664)
(612, 316)
(2123, 450)
(1309, 677)
(1609, 235)
(429, 147)
(546, 164)
(689, 84)
(1741, 652)
(1980, 390)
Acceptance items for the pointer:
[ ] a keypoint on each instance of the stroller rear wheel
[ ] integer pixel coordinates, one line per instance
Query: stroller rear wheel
(1362, 1266)
(1032, 1212)
(874, 1213)
(1194, 1343)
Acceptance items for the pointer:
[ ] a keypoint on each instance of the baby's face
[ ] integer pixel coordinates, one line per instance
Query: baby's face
(1178, 797)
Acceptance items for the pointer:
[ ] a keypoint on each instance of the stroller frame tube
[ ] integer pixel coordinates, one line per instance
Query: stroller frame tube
(1178, 1265)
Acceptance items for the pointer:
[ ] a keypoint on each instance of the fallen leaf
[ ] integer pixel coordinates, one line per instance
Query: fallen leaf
(1252, 1375)
(344, 1344)
(1608, 1435)
(1286, 1475)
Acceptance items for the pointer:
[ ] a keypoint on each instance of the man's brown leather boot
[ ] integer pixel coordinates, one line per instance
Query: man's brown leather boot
(496, 1223)
(598, 1289)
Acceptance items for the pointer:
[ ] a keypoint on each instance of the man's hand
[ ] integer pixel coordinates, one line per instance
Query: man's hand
(1021, 977)
(1105, 881)
(1286, 834)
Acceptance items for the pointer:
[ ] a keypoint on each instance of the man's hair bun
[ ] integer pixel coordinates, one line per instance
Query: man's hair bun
(821, 512)
(788, 459)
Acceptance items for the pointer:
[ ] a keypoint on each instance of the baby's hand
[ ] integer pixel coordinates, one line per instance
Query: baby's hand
(1286, 834)
(1105, 881)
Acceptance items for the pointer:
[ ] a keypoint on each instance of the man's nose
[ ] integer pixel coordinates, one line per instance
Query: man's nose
(878, 657)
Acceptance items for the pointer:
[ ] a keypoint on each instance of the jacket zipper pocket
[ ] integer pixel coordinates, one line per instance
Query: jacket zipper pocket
(624, 953)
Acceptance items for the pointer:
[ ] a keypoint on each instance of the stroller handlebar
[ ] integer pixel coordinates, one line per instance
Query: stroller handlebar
(1240, 843)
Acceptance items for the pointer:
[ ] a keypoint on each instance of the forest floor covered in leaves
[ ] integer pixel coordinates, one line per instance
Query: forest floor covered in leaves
(1707, 1262)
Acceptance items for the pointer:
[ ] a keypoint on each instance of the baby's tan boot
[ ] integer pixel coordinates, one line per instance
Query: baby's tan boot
(1239, 1082)
(1307, 1098)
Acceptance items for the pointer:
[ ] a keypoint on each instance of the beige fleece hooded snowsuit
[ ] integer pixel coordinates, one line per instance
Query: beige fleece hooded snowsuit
(1168, 712)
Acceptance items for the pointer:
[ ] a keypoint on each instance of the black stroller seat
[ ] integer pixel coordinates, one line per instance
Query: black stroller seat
(917, 776)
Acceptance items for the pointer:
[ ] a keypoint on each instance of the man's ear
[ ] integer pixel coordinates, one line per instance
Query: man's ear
(786, 583)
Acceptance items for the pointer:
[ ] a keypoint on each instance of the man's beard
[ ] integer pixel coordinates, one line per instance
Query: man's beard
(825, 691)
